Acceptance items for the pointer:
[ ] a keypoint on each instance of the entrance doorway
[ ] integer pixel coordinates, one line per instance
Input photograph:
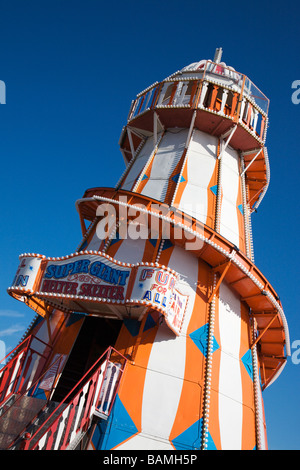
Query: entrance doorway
(95, 336)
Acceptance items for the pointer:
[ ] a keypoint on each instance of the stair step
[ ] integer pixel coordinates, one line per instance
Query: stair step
(38, 422)
(16, 417)
(5, 440)
(24, 409)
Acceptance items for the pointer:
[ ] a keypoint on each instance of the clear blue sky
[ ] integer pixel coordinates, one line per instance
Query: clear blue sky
(71, 69)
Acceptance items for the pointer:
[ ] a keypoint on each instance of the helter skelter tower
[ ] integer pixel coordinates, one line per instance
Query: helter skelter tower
(194, 330)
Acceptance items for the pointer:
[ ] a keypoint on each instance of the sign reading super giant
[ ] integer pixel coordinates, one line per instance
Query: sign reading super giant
(86, 277)
(88, 281)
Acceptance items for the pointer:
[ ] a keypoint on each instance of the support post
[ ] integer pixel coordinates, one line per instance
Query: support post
(227, 266)
(264, 330)
(227, 141)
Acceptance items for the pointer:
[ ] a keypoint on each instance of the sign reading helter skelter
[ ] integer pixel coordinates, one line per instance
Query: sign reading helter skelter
(85, 280)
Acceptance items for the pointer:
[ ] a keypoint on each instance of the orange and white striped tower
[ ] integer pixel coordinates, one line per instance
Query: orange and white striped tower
(203, 330)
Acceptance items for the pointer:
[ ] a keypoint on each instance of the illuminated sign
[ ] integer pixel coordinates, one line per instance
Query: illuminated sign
(86, 277)
(87, 281)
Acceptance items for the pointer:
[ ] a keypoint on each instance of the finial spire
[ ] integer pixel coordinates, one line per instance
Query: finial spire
(218, 55)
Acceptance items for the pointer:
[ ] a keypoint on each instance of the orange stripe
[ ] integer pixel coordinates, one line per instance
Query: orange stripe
(181, 187)
(132, 385)
(165, 256)
(190, 405)
(150, 251)
(131, 282)
(240, 217)
(147, 173)
(171, 183)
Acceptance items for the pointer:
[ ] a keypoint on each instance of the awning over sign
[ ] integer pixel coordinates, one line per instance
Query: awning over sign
(94, 283)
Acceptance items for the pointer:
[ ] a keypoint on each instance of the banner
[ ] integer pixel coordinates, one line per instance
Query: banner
(94, 283)
(157, 287)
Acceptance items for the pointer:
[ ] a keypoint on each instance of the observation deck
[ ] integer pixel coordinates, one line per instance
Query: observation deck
(215, 99)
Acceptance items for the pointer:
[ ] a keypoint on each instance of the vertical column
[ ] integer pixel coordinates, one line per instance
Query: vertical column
(203, 94)
(255, 119)
(245, 208)
(208, 372)
(224, 99)
(243, 104)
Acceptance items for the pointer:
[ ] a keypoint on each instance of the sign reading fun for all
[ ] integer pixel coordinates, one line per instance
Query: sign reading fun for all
(95, 277)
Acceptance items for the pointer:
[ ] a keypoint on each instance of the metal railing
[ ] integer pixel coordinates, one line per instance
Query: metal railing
(94, 394)
(30, 392)
(20, 370)
(236, 97)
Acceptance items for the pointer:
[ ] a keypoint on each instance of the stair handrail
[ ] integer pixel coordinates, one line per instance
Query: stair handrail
(87, 378)
(29, 339)
(33, 387)
(6, 374)
(22, 350)
(12, 351)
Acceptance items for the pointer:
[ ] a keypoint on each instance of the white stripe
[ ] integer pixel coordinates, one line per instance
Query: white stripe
(201, 162)
(94, 243)
(14, 374)
(79, 408)
(230, 382)
(130, 251)
(142, 442)
(167, 156)
(43, 441)
(138, 165)
(61, 427)
(163, 383)
(166, 367)
(229, 226)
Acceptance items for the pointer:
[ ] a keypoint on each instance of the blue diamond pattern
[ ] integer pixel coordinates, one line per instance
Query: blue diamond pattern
(74, 317)
(153, 241)
(241, 209)
(115, 239)
(200, 338)
(247, 361)
(176, 178)
(191, 438)
(117, 429)
(214, 189)
(167, 244)
(133, 326)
